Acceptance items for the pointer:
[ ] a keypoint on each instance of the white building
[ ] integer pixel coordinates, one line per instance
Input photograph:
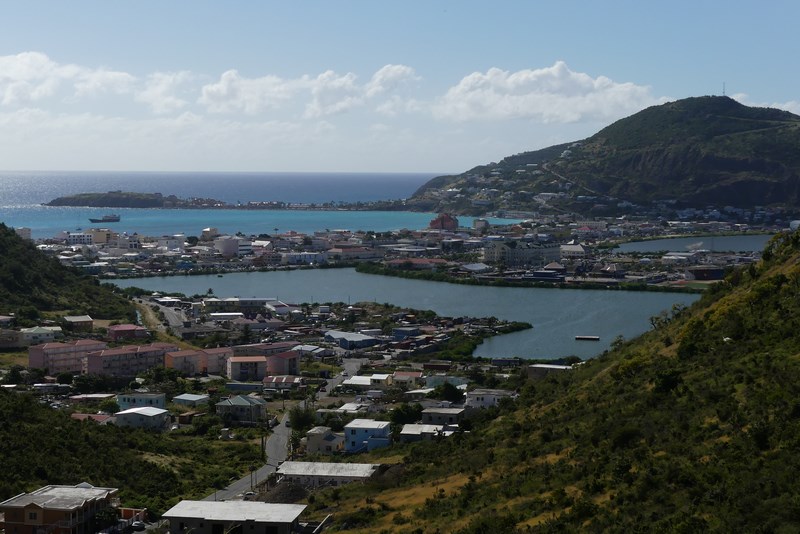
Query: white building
(316, 474)
(485, 398)
(212, 517)
(149, 418)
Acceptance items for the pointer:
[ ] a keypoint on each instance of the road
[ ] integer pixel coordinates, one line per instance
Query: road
(276, 453)
(277, 444)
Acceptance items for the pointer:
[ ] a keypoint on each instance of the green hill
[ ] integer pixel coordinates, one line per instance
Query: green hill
(32, 283)
(693, 427)
(696, 151)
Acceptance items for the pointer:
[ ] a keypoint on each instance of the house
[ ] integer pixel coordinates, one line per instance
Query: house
(407, 378)
(321, 439)
(366, 435)
(36, 335)
(243, 409)
(57, 509)
(139, 400)
(117, 332)
(416, 432)
(214, 517)
(190, 399)
(283, 382)
(540, 370)
(79, 323)
(442, 416)
(148, 418)
(325, 474)
(364, 382)
(486, 398)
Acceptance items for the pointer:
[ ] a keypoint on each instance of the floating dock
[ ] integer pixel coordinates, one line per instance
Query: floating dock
(587, 338)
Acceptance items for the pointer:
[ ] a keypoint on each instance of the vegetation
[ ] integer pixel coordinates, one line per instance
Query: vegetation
(692, 427)
(32, 283)
(697, 151)
(152, 470)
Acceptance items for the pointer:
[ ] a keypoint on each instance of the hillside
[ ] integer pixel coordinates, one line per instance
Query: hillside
(32, 284)
(696, 151)
(692, 427)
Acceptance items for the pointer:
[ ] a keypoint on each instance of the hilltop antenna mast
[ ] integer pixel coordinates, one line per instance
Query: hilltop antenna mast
(723, 88)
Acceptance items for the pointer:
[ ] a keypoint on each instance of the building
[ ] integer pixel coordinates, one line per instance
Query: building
(321, 439)
(127, 361)
(364, 382)
(416, 432)
(243, 409)
(36, 335)
(244, 517)
(63, 357)
(191, 400)
(325, 474)
(442, 416)
(117, 332)
(444, 221)
(79, 323)
(486, 398)
(520, 253)
(247, 368)
(350, 340)
(284, 363)
(199, 362)
(141, 400)
(366, 435)
(540, 370)
(56, 509)
(147, 418)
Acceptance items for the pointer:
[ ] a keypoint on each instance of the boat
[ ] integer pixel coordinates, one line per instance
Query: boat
(587, 338)
(106, 219)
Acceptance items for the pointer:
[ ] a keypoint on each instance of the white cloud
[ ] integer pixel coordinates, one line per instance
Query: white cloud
(250, 95)
(332, 93)
(792, 106)
(388, 78)
(553, 94)
(160, 89)
(32, 76)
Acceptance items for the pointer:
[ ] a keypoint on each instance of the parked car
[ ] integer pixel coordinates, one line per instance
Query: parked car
(138, 525)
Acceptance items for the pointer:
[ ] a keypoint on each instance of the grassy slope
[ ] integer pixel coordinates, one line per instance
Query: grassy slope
(692, 427)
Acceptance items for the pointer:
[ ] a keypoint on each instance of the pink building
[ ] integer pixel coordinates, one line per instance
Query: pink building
(198, 362)
(247, 367)
(126, 331)
(127, 361)
(63, 357)
(284, 363)
(444, 221)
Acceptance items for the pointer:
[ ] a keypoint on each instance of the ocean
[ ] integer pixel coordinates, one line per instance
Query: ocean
(22, 195)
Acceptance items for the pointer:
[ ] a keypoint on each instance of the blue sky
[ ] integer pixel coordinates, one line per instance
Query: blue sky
(363, 86)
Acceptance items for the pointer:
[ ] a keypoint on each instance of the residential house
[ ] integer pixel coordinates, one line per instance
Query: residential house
(36, 335)
(191, 400)
(119, 332)
(443, 416)
(540, 370)
(325, 474)
(79, 323)
(486, 398)
(57, 509)
(407, 378)
(140, 400)
(243, 409)
(283, 382)
(147, 418)
(245, 517)
(366, 435)
(63, 357)
(321, 439)
(420, 432)
(365, 382)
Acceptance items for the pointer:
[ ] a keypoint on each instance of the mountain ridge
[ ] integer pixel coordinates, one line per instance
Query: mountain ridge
(691, 152)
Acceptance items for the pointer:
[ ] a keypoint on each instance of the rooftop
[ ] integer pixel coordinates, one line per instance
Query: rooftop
(328, 469)
(60, 497)
(263, 512)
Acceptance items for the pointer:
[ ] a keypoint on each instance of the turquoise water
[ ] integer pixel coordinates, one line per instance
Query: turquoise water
(558, 315)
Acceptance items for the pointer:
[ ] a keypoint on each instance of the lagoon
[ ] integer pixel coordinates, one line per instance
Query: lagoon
(557, 315)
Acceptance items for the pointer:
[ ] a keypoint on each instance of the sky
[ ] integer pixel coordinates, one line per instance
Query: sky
(363, 86)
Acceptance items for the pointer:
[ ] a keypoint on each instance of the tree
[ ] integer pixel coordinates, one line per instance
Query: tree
(406, 414)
